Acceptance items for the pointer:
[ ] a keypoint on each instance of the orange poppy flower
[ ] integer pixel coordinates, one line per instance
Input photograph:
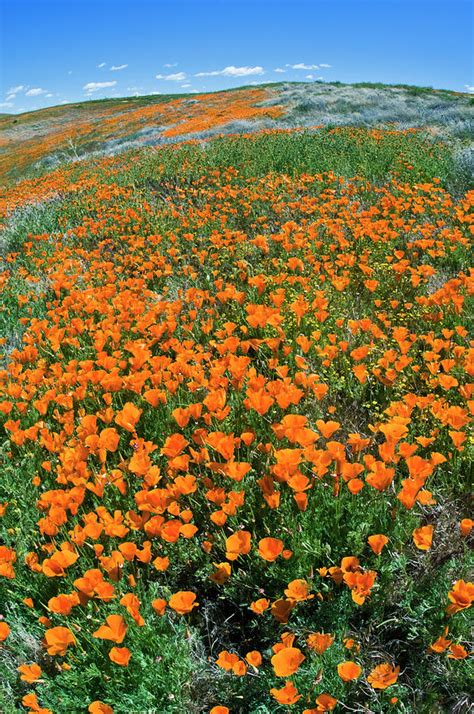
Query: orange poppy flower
(270, 548)
(298, 590)
(159, 606)
(128, 416)
(120, 655)
(254, 658)
(59, 561)
(222, 573)
(227, 660)
(115, 629)
(383, 676)
(222, 443)
(360, 584)
(132, 603)
(58, 639)
(183, 602)
(457, 652)
(259, 606)
(4, 630)
(325, 703)
(466, 526)
(237, 544)
(29, 672)
(287, 661)
(31, 702)
(327, 428)
(441, 644)
(161, 563)
(423, 537)
(349, 671)
(461, 596)
(286, 695)
(377, 542)
(99, 707)
(281, 609)
(219, 709)
(319, 642)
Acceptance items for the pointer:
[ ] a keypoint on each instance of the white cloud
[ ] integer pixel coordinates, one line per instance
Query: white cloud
(49, 94)
(95, 86)
(35, 92)
(309, 76)
(116, 68)
(301, 65)
(279, 70)
(168, 65)
(232, 71)
(469, 88)
(10, 97)
(176, 77)
(102, 64)
(5, 105)
(17, 89)
(185, 86)
(326, 66)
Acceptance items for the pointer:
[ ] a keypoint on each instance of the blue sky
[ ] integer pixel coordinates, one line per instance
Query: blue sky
(58, 51)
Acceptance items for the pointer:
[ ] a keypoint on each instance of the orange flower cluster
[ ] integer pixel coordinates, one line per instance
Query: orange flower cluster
(188, 405)
(71, 130)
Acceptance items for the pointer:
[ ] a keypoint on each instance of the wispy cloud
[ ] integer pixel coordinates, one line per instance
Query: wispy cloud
(469, 88)
(232, 71)
(279, 70)
(168, 65)
(36, 92)
(116, 68)
(96, 86)
(325, 66)
(5, 105)
(102, 64)
(302, 65)
(176, 77)
(16, 90)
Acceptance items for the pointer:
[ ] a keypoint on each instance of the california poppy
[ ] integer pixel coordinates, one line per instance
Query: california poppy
(270, 548)
(383, 676)
(286, 695)
(183, 602)
(377, 542)
(29, 672)
(120, 655)
(349, 671)
(287, 661)
(115, 629)
(423, 537)
(58, 639)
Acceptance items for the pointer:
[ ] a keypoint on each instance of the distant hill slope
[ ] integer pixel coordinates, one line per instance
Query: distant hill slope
(69, 132)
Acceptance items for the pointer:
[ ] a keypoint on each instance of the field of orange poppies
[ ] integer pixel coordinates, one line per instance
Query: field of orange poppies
(235, 398)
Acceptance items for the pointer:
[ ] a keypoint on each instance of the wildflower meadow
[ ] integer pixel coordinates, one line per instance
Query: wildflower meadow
(235, 397)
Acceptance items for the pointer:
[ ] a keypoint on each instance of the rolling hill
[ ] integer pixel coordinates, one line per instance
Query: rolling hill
(44, 138)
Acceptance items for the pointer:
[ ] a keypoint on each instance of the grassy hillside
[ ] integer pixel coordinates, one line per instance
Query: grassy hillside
(48, 136)
(235, 402)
